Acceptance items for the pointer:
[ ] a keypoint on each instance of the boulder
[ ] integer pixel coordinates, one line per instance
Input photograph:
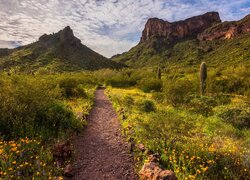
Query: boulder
(68, 171)
(151, 171)
(62, 150)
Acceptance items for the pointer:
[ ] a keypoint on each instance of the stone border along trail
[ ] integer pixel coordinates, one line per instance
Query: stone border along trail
(101, 151)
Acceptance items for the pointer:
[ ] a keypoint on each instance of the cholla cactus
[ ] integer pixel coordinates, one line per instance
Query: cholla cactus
(203, 77)
(159, 72)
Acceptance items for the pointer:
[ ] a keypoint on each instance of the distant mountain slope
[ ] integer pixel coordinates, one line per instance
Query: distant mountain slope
(61, 51)
(188, 42)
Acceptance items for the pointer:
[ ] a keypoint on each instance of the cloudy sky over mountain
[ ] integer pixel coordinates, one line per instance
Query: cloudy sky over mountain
(107, 26)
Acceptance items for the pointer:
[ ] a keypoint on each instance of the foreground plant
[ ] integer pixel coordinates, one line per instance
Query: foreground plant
(26, 158)
(203, 77)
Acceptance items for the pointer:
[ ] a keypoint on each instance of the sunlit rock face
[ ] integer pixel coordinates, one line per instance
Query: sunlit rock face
(190, 27)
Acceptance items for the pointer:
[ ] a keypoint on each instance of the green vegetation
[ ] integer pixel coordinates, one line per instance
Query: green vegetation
(198, 137)
(189, 52)
(35, 112)
(203, 77)
(199, 125)
(54, 53)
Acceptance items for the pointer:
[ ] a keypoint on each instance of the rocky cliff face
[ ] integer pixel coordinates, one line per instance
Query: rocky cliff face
(190, 27)
(65, 37)
(226, 30)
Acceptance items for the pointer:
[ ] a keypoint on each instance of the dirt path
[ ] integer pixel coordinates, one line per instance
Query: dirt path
(101, 152)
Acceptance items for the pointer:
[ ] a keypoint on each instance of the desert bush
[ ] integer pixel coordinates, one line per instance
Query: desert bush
(203, 105)
(158, 97)
(31, 107)
(237, 116)
(128, 101)
(150, 84)
(120, 80)
(230, 80)
(71, 88)
(146, 106)
(178, 92)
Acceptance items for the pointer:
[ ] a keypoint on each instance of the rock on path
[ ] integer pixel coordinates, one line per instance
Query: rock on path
(101, 151)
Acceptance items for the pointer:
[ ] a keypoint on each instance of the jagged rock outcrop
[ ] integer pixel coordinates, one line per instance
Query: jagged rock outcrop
(190, 27)
(226, 30)
(151, 171)
(65, 37)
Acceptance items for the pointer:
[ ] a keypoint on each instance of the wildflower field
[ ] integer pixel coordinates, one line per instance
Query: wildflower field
(192, 145)
(196, 136)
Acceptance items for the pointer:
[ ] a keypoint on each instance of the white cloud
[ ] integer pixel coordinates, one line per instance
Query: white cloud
(106, 26)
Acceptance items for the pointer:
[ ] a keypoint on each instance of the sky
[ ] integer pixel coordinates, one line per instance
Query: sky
(107, 26)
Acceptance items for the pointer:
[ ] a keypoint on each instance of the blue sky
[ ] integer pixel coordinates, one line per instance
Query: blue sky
(107, 26)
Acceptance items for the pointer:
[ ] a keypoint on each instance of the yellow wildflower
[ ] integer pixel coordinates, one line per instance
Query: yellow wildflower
(13, 145)
(204, 169)
(14, 162)
(198, 171)
(14, 149)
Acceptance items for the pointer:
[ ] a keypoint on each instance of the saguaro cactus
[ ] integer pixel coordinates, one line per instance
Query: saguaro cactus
(203, 77)
(159, 72)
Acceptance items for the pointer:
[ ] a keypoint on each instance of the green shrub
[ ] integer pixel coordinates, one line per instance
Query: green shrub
(203, 105)
(128, 101)
(120, 80)
(31, 107)
(148, 85)
(163, 129)
(237, 116)
(158, 97)
(178, 92)
(146, 106)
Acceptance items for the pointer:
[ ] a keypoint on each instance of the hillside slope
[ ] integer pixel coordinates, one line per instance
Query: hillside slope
(61, 51)
(216, 44)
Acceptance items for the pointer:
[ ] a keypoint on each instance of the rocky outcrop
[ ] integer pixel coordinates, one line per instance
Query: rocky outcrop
(67, 37)
(190, 27)
(152, 171)
(226, 30)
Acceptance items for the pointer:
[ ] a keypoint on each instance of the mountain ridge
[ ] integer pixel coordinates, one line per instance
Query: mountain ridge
(180, 29)
(60, 51)
(162, 48)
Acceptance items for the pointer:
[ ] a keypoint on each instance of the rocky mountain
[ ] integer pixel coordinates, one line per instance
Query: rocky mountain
(60, 51)
(177, 30)
(226, 30)
(196, 39)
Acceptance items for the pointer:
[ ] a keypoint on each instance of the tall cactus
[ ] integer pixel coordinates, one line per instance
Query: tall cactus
(159, 72)
(203, 77)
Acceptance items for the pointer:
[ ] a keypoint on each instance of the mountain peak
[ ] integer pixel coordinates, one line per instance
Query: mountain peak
(176, 30)
(67, 37)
